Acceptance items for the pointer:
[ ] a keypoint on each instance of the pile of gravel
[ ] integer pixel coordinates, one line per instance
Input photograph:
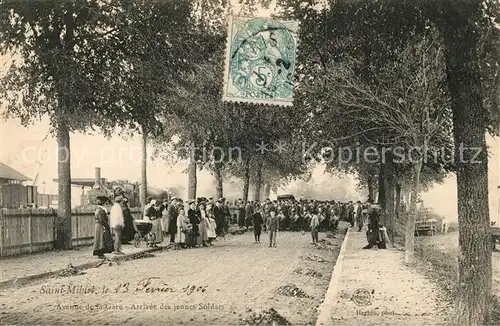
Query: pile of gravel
(173, 246)
(70, 270)
(266, 317)
(321, 246)
(308, 272)
(326, 242)
(310, 257)
(291, 290)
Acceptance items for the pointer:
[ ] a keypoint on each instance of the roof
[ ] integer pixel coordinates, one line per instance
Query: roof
(85, 182)
(8, 173)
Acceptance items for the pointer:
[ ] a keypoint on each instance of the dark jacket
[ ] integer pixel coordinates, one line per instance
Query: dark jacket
(194, 218)
(257, 223)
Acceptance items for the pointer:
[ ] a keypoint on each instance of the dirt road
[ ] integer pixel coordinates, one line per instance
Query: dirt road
(219, 285)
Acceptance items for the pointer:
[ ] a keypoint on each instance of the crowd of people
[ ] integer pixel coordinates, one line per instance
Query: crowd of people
(197, 223)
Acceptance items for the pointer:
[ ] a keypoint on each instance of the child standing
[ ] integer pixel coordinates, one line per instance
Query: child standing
(211, 225)
(273, 227)
(314, 227)
(181, 227)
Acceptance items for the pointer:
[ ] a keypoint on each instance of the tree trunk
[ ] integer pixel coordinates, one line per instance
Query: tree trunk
(218, 180)
(407, 200)
(410, 220)
(246, 180)
(371, 188)
(461, 40)
(63, 222)
(397, 203)
(381, 192)
(192, 181)
(144, 164)
(390, 205)
(258, 181)
(267, 190)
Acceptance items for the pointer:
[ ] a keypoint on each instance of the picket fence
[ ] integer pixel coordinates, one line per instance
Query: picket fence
(32, 230)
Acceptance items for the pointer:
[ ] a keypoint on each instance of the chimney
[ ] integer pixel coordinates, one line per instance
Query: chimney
(97, 174)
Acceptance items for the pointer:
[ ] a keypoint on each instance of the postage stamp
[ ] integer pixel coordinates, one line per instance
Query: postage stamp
(261, 59)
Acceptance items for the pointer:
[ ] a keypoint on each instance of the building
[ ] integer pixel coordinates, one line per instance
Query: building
(13, 194)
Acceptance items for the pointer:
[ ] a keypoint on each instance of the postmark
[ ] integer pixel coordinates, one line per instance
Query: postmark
(362, 297)
(261, 57)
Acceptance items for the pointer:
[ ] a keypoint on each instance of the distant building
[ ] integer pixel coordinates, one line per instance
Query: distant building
(13, 194)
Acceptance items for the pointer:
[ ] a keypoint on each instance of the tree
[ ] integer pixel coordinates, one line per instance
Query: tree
(61, 74)
(463, 27)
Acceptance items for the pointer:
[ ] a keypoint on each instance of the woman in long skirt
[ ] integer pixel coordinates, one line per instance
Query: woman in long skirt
(153, 215)
(103, 240)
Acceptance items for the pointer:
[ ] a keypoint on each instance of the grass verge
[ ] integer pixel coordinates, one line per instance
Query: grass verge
(441, 265)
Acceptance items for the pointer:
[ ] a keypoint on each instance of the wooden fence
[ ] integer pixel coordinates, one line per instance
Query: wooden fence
(33, 230)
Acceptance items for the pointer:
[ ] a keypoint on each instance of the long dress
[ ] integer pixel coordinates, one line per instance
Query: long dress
(211, 227)
(129, 230)
(103, 240)
(181, 225)
(203, 228)
(151, 214)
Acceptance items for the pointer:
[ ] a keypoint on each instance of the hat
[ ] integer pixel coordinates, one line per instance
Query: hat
(118, 199)
(221, 200)
(125, 199)
(190, 201)
(102, 197)
(211, 198)
(153, 201)
(173, 198)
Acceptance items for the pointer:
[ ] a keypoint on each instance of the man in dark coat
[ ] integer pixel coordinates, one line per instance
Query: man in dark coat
(172, 212)
(220, 218)
(257, 224)
(249, 209)
(241, 213)
(194, 219)
(227, 215)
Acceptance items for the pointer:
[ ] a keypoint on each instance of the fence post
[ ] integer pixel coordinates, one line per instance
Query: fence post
(76, 222)
(30, 229)
(2, 227)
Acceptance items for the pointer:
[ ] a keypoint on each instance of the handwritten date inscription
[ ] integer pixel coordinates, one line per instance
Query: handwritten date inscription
(148, 285)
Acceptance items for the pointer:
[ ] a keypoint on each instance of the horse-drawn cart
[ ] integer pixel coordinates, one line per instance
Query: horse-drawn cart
(425, 226)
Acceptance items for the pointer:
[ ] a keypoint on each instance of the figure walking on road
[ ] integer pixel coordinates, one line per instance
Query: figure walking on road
(359, 216)
(314, 227)
(257, 224)
(274, 223)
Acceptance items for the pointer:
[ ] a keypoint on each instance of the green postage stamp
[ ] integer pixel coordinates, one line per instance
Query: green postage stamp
(261, 58)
